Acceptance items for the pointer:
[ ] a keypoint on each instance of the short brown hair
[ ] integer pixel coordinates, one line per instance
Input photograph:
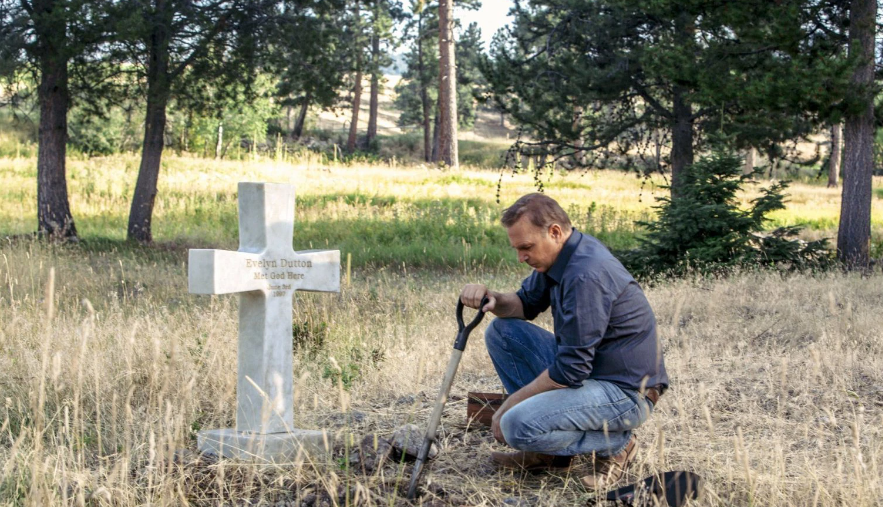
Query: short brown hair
(542, 210)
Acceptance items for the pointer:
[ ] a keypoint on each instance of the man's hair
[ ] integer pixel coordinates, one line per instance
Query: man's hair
(541, 209)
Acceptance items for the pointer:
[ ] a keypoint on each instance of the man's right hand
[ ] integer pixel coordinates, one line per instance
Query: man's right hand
(473, 293)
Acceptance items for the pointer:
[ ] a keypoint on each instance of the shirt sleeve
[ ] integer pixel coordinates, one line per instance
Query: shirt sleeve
(587, 305)
(534, 295)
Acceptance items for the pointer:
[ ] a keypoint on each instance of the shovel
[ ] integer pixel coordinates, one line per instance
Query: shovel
(435, 418)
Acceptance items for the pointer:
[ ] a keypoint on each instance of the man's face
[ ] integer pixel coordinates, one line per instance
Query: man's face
(535, 246)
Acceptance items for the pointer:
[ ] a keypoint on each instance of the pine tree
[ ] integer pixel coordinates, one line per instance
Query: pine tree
(854, 233)
(49, 38)
(604, 77)
(705, 228)
(417, 91)
(183, 46)
(310, 55)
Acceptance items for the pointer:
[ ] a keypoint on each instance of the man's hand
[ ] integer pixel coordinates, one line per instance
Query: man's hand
(498, 416)
(541, 384)
(472, 295)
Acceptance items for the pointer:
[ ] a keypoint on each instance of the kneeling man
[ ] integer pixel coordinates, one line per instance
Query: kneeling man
(585, 387)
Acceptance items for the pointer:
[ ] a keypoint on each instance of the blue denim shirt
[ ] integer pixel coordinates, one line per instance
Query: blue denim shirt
(604, 326)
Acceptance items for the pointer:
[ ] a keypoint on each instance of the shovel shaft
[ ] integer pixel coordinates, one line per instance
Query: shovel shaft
(435, 418)
(459, 344)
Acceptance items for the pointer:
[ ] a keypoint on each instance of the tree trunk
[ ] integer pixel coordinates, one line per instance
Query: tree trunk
(357, 94)
(854, 235)
(289, 121)
(53, 207)
(681, 139)
(354, 124)
(750, 160)
(579, 154)
(158, 93)
(220, 144)
(836, 149)
(375, 76)
(301, 117)
(434, 156)
(424, 93)
(682, 112)
(447, 86)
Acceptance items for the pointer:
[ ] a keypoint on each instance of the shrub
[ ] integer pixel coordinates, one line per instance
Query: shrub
(704, 229)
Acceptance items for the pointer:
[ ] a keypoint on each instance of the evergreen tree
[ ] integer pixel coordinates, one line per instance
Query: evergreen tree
(447, 86)
(854, 233)
(383, 14)
(417, 91)
(605, 77)
(310, 54)
(357, 40)
(58, 43)
(705, 228)
(183, 48)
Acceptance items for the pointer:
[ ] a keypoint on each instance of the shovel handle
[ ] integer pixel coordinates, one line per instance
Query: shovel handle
(465, 329)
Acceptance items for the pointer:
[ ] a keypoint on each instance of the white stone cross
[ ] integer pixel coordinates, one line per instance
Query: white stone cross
(265, 272)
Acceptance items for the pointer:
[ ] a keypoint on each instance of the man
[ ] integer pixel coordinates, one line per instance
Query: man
(583, 389)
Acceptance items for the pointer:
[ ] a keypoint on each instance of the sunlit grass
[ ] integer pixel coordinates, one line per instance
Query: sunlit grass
(378, 213)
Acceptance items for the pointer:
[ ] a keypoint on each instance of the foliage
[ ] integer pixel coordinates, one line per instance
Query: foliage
(601, 81)
(470, 80)
(705, 229)
(311, 54)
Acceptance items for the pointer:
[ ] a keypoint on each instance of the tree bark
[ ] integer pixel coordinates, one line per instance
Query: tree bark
(375, 76)
(579, 156)
(854, 234)
(219, 146)
(289, 121)
(354, 124)
(158, 93)
(681, 139)
(836, 154)
(750, 160)
(424, 93)
(447, 86)
(301, 117)
(436, 134)
(357, 94)
(53, 207)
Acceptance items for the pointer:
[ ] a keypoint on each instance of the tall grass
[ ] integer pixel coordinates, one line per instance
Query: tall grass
(380, 214)
(109, 368)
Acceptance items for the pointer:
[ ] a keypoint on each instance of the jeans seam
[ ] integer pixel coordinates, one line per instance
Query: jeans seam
(559, 413)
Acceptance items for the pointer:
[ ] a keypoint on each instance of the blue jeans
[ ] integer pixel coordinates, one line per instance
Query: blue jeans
(597, 417)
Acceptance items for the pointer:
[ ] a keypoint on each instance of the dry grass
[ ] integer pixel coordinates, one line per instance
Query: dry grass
(777, 395)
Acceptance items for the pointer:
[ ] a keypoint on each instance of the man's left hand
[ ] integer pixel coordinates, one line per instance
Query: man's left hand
(495, 423)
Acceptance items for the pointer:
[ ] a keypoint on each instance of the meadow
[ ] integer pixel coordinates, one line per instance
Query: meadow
(108, 367)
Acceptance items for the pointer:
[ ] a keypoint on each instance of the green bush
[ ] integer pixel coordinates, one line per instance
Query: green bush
(704, 229)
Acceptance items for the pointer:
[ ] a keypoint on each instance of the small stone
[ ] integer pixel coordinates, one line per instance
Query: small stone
(408, 439)
(406, 400)
(515, 502)
(372, 453)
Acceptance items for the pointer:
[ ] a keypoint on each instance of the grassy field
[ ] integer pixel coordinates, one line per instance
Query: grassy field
(381, 214)
(107, 371)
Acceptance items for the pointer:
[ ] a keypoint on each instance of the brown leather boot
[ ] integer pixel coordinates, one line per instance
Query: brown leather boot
(610, 469)
(531, 461)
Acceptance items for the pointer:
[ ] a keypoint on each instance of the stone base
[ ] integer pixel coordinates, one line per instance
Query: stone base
(263, 447)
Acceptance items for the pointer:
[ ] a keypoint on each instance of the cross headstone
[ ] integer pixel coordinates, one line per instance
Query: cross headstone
(265, 272)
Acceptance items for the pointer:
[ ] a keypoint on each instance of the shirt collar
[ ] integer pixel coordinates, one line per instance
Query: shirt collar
(557, 269)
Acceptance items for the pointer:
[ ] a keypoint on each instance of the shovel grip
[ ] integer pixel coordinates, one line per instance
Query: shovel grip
(465, 329)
